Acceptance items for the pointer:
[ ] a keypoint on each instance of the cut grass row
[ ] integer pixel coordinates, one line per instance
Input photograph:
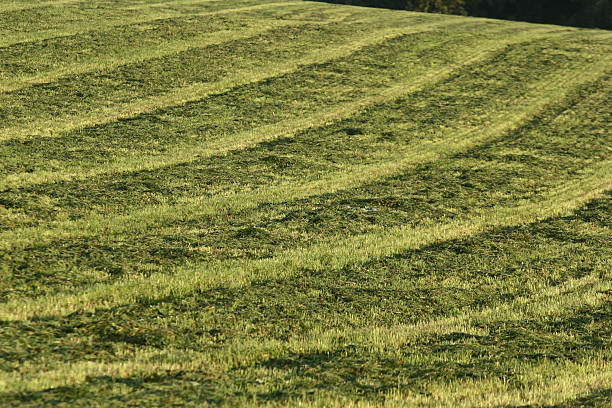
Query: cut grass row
(285, 91)
(441, 143)
(42, 151)
(422, 218)
(47, 62)
(119, 20)
(273, 357)
(255, 233)
(334, 252)
(18, 5)
(198, 83)
(27, 20)
(98, 234)
(286, 111)
(51, 60)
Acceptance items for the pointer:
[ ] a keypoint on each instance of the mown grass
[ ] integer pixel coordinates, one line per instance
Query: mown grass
(287, 204)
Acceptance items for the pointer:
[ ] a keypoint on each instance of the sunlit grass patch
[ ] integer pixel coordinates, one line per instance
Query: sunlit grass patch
(214, 203)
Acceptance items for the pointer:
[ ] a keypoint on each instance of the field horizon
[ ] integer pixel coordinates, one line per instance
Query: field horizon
(265, 203)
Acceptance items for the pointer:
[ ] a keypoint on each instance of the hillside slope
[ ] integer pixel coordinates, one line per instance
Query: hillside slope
(295, 203)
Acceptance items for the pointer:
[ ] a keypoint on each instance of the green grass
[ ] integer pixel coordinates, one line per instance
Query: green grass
(220, 203)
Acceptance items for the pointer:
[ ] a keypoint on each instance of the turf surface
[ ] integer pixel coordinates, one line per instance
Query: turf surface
(301, 204)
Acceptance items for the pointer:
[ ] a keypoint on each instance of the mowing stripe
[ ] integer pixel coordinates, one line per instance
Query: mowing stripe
(81, 28)
(184, 154)
(131, 56)
(17, 5)
(135, 84)
(559, 201)
(546, 301)
(349, 177)
(198, 91)
(571, 381)
(543, 384)
(233, 142)
(343, 323)
(169, 3)
(250, 281)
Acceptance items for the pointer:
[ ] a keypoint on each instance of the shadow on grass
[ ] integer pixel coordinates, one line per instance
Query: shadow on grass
(596, 399)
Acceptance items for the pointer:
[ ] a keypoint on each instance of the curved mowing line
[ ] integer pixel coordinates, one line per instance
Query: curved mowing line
(145, 5)
(546, 301)
(540, 302)
(571, 380)
(10, 40)
(198, 91)
(234, 142)
(168, 3)
(350, 177)
(333, 254)
(16, 6)
(347, 178)
(242, 140)
(574, 378)
(152, 52)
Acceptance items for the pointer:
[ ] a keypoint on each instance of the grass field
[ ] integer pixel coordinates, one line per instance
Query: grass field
(251, 202)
